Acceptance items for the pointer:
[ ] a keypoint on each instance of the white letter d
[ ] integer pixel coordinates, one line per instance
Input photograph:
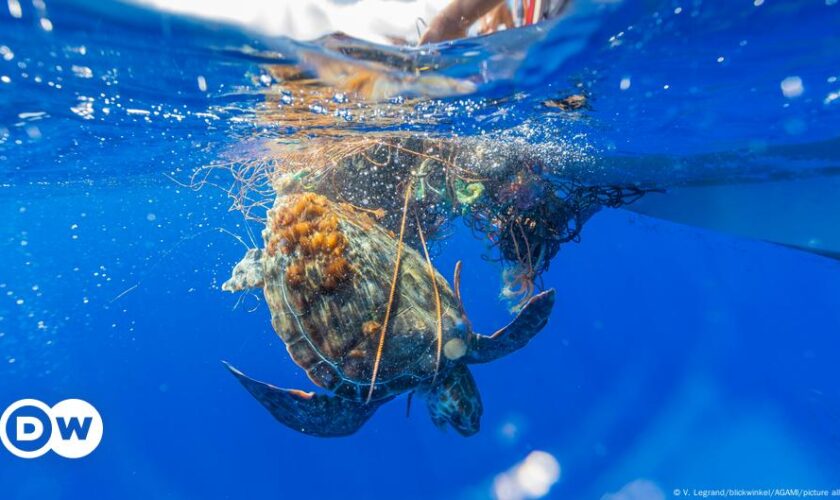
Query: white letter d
(34, 431)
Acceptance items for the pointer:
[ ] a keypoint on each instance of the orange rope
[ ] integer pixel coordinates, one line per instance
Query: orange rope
(382, 332)
(437, 298)
(527, 247)
(456, 282)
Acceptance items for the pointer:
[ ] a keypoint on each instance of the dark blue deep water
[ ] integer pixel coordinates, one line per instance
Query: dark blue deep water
(685, 350)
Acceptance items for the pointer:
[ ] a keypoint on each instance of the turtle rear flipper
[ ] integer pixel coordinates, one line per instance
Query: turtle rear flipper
(530, 320)
(455, 400)
(307, 412)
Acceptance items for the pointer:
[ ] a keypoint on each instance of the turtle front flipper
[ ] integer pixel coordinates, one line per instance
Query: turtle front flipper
(530, 320)
(307, 412)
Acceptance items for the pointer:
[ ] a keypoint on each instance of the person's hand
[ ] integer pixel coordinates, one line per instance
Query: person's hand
(455, 19)
(500, 16)
(443, 28)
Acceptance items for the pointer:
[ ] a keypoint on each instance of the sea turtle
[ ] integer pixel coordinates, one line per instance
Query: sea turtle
(326, 271)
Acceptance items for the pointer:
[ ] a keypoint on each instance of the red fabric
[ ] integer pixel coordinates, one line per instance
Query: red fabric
(528, 6)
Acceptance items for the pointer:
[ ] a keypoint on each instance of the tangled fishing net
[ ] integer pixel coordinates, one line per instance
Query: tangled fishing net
(510, 193)
(501, 191)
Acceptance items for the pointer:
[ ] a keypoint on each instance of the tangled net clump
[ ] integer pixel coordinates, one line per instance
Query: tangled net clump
(503, 191)
(529, 230)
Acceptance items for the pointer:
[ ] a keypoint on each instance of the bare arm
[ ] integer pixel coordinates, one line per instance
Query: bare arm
(454, 20)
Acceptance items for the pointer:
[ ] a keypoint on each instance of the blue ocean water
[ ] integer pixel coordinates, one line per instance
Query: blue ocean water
(677, 357)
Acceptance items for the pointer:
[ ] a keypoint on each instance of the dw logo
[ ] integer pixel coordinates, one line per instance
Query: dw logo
(71, 428)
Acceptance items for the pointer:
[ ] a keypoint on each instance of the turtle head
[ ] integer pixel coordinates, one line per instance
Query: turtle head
(247, 274)
(455, 400)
